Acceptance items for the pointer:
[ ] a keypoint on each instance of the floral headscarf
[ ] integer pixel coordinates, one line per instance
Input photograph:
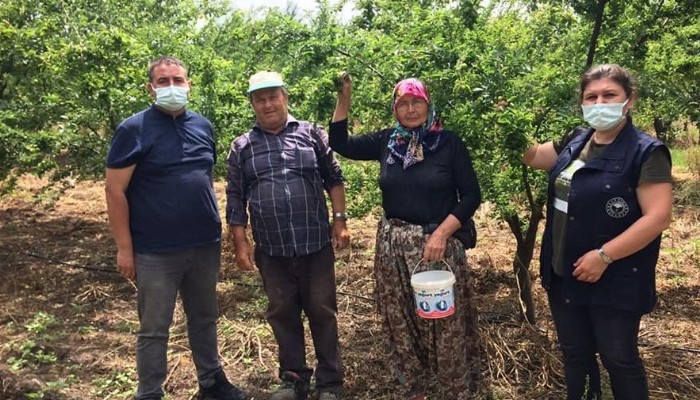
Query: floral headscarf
(410, 145)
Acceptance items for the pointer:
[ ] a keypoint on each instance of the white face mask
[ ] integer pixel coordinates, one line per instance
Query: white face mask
(604, 116)
(171, 98)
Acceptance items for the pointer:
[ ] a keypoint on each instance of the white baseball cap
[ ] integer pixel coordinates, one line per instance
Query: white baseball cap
(264, 80)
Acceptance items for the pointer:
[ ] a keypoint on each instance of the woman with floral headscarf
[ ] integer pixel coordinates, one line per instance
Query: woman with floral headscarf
(429, 195)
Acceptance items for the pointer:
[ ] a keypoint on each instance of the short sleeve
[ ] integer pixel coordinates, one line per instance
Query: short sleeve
(657, 168)
(568, 137)
(125, 150)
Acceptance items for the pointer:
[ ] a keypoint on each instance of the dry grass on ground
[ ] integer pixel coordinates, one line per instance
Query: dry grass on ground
(67, 323)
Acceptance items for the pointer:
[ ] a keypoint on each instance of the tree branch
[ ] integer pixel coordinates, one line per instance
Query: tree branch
(368, 65)
(596, 32)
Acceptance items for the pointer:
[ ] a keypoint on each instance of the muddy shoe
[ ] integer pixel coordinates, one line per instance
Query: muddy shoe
(329, 396)
(293, 388)
(222, 389)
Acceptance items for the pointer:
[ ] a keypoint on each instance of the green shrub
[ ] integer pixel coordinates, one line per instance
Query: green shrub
(361, 186)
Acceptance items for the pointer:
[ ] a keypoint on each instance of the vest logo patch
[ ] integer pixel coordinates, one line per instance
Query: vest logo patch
(617, 207)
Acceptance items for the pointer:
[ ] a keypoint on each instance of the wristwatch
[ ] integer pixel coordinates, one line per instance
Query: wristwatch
(340, 215)
(606, 258)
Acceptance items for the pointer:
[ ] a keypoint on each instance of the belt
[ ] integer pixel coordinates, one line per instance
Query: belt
(428, 228)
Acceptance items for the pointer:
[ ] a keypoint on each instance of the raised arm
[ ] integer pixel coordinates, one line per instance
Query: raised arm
(356, 147)
(342, 106)
(540, 156)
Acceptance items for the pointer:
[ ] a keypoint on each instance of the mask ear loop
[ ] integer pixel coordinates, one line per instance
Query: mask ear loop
(625, 112)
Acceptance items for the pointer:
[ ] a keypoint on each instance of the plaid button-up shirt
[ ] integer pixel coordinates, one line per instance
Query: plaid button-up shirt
(281, 179)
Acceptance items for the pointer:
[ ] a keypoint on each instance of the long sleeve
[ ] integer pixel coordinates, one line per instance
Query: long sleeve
(357, 147)
(468, 188)
(235, 189)
(329, 167)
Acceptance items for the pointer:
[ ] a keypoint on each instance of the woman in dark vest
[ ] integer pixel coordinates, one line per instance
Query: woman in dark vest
(429, 195)
(609, 199)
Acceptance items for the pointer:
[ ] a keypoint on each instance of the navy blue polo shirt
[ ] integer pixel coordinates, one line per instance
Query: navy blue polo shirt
(172, 204)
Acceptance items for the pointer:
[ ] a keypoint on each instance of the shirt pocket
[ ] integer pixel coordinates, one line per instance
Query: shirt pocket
(618, 190)
(299, 156)
(611, 170)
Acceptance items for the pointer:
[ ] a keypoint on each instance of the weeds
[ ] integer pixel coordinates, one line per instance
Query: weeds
(30, 355)
(52, 387)
(32, 352)
(40, 323)
(117, 385)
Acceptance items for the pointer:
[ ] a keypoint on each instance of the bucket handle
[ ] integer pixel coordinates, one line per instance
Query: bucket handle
(421, 260)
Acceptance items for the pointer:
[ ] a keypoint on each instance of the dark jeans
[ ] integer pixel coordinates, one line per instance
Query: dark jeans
(585, 330)
(192, 272)
(305, 283)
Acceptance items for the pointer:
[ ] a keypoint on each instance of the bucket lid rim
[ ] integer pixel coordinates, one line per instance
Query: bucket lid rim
(438, 280)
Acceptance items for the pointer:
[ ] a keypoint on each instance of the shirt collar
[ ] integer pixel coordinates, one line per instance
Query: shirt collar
(165, 114)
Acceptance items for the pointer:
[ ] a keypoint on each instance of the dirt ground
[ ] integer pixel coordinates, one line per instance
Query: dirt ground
(68, 321)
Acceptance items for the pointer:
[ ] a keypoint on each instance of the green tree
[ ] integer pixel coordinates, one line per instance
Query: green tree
(72, 70)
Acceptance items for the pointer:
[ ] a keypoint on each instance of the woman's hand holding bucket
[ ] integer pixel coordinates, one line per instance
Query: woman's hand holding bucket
(436, 244)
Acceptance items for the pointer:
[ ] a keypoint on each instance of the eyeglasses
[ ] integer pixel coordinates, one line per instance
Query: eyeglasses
(415, 103)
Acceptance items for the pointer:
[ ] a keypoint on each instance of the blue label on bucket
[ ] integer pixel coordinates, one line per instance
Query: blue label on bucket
(437, 303)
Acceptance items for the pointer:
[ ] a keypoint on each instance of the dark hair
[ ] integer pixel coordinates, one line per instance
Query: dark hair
(618, 74)
(168, 60)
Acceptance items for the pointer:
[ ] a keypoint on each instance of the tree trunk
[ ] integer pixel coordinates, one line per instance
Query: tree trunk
(521, 268)
(596, 32)
(523, 258)
(660, 128)
(525, 249)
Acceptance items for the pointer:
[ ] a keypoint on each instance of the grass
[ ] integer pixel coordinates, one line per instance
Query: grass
(686, 159)
(679, 159)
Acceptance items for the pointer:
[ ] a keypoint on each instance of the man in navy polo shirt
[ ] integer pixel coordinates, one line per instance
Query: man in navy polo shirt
(164, 219)
(279, 171)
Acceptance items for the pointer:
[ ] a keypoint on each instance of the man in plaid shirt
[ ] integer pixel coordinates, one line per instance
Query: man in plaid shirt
(277, 173)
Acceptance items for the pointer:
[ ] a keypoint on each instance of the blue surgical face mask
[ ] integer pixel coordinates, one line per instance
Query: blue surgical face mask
(604, 116)
(171, 98)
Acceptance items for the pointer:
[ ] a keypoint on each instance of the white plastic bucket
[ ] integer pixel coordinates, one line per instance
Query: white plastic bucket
(434, 293)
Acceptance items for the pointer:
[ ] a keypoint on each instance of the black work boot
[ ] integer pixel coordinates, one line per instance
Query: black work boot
(293, 387)
(222, 389)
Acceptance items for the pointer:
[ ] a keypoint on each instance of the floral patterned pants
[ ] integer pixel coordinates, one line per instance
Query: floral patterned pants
(448, 348)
